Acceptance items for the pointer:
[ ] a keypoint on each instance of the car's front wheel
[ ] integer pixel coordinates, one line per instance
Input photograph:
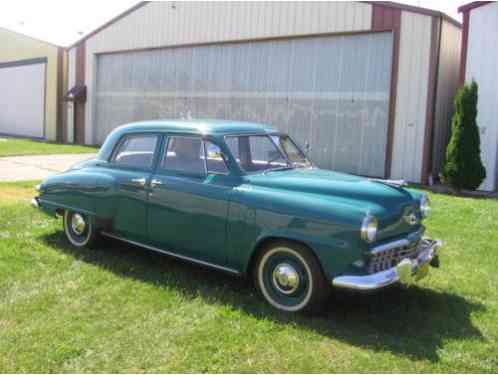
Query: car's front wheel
(290, 278)
(79, 229)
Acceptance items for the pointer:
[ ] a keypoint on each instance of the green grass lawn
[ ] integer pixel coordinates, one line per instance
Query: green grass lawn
(122, 309)
(17, 147)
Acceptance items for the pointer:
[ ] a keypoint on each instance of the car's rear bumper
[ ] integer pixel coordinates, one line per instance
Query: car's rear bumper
(406, 272)
(35, 203)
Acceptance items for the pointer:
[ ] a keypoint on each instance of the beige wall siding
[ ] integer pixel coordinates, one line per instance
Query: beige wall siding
(158, 24)
(15, 47)
(482, 58)
(447, 84)
(411, 102)
(71, 69)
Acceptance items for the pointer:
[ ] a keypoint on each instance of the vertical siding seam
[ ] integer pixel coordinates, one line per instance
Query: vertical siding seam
(436, 31)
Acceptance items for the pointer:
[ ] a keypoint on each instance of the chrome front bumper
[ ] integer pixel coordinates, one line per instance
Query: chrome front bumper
(405, 272)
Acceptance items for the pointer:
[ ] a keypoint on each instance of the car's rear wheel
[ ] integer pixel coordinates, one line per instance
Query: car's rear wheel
(79, 229)
(290, 278)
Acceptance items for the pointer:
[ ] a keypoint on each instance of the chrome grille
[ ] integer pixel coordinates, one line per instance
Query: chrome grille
(385, 259)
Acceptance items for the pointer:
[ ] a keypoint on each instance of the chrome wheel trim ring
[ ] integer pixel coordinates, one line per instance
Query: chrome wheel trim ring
(78, 224)
(69, 233)
(265, 292)
(285, 278)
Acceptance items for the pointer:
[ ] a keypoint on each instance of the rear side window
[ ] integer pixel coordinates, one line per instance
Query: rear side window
(136, 151)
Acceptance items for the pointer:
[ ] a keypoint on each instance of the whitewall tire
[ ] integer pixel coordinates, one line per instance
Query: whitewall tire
(290, 278)
(79, 229)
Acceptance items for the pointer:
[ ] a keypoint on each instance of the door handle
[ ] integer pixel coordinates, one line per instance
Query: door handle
(155, 182)
(139, 181)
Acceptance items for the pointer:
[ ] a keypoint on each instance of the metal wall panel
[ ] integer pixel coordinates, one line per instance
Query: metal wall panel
(482, 57)
(447, 84)
(160, 24)
(411, 101)
(332, 91)
(22, 100)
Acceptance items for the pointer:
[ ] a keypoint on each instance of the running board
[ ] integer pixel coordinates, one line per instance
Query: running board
(174, 255)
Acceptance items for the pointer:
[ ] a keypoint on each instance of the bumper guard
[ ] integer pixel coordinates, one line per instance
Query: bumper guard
(405, 272)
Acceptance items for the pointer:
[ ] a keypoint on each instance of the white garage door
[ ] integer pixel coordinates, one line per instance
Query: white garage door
(332, 91)
(22, 98)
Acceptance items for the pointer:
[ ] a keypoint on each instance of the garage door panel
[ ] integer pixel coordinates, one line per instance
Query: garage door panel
(22, 100)
(331, 91)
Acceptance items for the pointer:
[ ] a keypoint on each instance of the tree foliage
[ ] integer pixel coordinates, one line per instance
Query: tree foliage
(463, 167)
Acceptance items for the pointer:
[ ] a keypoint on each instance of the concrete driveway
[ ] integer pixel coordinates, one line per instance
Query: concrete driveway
(21, 168)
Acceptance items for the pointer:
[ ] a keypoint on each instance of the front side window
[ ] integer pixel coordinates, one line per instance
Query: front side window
(255, 153)
(185, 155)
(293, 153)
(136, 151)
(215, 163)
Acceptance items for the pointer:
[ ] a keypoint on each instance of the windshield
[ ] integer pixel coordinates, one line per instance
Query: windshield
(259, 153)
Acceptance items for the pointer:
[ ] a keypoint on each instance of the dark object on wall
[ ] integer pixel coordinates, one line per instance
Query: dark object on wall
(463, 168)
(76, 94)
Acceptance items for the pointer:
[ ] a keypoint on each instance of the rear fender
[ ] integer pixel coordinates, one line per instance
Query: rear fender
(85, 192)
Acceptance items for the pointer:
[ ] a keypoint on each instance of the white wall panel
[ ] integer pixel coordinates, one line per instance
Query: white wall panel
(482, 66)
(447, 84)
(411, 102)
(22, 100)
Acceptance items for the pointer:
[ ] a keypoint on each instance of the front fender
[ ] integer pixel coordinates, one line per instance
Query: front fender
(328, 228)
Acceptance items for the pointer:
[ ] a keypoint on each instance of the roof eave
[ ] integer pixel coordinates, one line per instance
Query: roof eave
(109, 23)
(30, 37)
(475, 4)
(415, 9)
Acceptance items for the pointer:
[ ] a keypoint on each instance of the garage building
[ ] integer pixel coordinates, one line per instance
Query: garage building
(368, 85)
(31, 87)
(479, 63)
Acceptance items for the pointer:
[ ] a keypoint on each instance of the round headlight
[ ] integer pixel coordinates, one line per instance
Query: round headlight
(425, 208)
(369, 228)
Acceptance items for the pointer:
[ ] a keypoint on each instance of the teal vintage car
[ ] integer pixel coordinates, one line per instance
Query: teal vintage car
(243, 198)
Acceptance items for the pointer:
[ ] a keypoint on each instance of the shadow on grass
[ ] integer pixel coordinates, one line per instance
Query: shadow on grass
(413, 322)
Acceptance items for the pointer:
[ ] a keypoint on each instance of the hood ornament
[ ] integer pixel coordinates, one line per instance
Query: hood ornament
(396, 183)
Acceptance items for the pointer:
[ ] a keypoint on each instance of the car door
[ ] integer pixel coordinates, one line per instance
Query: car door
(131, 165)
(188, 202)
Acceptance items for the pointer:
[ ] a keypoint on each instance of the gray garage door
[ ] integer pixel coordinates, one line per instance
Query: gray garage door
(22, 98)
(330, 91)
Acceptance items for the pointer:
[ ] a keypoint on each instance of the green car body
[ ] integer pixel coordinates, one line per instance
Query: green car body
(224, 219)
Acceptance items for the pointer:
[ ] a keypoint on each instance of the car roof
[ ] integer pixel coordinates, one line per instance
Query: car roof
(198, 126)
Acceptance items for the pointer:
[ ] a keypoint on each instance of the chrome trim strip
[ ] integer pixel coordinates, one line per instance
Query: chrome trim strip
(183, 257)
(389, 246)
(387, 277)
(413, 237)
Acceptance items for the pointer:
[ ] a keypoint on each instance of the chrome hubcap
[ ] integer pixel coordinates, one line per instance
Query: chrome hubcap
(285, 278)
(78, 224)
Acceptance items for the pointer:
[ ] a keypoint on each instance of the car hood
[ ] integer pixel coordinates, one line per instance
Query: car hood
(383, 200)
